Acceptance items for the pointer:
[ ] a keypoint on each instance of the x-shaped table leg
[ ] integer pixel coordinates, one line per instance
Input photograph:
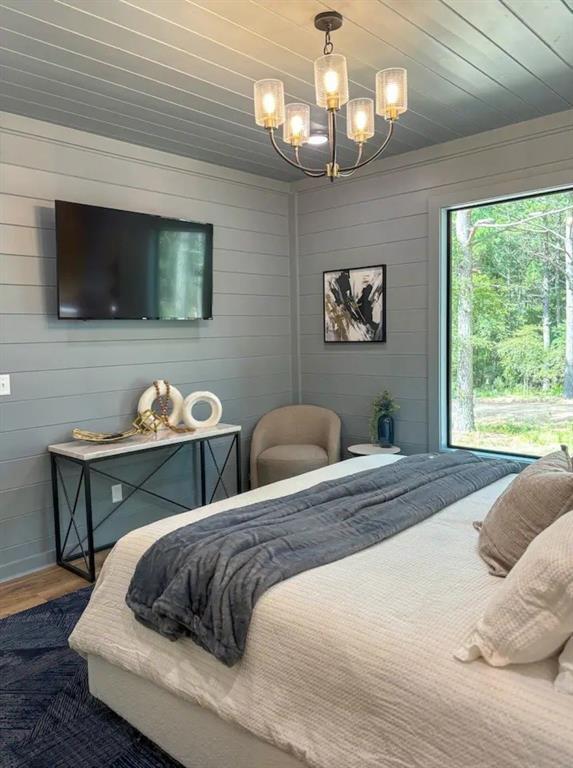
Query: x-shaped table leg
(72, 511)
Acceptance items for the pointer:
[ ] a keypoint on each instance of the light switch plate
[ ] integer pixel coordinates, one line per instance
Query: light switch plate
(116, 493)
(5, 384)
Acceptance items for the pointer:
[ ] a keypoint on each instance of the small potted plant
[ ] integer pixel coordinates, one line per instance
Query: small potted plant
(381, 421)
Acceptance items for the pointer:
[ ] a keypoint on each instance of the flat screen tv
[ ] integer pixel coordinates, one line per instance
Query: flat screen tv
(118, 265)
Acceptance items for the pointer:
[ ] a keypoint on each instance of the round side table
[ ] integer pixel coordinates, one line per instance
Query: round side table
(367, 449)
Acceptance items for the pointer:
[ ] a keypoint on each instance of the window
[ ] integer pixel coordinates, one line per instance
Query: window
(510, 325)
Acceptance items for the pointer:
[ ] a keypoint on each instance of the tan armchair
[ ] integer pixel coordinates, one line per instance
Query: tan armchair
(291, 440)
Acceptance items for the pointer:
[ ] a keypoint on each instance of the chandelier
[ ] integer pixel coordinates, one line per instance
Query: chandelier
(331, 87)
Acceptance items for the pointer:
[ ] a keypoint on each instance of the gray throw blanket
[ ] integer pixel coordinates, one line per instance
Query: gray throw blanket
(204, 579)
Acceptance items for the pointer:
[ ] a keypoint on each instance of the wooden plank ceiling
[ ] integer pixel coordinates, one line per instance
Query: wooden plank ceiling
(177, 75)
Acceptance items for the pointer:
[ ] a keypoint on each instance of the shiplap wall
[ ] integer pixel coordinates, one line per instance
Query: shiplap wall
(67, 373)
(381, 217)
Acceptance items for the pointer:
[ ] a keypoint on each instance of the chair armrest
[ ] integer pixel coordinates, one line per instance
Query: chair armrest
(332, 445)
(260, 441)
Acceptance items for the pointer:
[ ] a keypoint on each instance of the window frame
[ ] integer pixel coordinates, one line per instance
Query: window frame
(449, 211)
(466, 196)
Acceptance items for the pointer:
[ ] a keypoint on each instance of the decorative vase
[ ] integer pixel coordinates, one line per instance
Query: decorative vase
(385, 431)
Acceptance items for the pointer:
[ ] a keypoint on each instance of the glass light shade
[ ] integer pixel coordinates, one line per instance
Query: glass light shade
(331, 81)
(391, 93)
(296, 128)
(360, 119)
(269, 103)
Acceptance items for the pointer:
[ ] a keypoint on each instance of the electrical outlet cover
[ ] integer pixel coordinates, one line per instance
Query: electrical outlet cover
(5, 384)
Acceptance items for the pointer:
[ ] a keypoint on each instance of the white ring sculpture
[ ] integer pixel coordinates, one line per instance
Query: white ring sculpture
(150, 396)
(198, 397)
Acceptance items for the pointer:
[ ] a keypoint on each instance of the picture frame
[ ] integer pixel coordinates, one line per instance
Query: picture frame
(354, 305)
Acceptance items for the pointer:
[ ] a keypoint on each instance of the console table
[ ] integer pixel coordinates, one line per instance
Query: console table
(87, 455)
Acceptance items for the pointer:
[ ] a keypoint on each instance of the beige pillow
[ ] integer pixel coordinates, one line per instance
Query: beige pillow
(564, 680)
(538, 496)
(530, 615)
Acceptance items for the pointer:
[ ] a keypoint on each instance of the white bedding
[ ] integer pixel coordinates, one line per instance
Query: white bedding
(351, 665)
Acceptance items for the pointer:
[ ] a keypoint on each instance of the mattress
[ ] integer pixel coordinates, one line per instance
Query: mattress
(351, 665)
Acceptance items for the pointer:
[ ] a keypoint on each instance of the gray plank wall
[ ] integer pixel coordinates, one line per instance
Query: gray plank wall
(91, 374)
(382, 218)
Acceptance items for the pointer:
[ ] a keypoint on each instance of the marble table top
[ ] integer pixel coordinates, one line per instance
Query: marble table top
(86, 451)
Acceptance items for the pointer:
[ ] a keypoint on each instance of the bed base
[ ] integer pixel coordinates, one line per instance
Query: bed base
(194, 736)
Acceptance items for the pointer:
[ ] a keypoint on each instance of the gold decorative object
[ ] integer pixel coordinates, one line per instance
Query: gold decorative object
(148, 421)
(145, 422)
(102, 437)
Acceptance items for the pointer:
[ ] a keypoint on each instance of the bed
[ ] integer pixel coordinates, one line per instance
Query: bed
(349, 665)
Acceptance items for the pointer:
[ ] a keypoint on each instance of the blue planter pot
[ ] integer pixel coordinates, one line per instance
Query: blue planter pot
(386, 431)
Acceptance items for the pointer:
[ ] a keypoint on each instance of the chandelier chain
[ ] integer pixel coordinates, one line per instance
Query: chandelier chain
(328, 44)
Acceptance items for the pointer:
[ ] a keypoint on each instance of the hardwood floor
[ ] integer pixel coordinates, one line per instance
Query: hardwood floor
(40, 587)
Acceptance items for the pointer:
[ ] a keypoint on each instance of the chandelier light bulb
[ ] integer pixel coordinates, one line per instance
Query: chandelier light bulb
(331, 82)
(269, 103)
(391, 93)
(296, 129)
(360, 120)
(296, 125)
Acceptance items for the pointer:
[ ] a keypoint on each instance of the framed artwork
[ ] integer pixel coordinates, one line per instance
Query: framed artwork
(355, 305)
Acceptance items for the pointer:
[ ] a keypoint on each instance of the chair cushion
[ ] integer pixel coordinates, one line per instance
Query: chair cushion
(282, 461)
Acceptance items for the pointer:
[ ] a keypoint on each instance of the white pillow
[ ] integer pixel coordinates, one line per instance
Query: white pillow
(564, 680)
(530, 616)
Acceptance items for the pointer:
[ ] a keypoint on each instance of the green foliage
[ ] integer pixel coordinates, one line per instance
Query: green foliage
(525, 360)
(529, 437)
(382, 405)
(533, 432)
(518, 270)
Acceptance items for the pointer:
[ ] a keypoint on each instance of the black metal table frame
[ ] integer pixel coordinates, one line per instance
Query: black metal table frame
(87, 469)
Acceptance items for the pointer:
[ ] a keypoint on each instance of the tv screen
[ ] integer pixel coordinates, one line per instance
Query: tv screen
(118, 265)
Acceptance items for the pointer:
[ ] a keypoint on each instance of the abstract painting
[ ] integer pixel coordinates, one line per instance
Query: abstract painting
(355, 304)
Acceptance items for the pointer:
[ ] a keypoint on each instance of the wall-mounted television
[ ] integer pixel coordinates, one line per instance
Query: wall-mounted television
(119, 265)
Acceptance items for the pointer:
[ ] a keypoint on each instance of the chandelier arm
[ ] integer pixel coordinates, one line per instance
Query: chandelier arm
(314, 171)
(346, 174)
(313, 174)
(376, 154)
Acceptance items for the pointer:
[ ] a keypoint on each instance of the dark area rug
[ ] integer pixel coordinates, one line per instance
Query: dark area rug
(47, 717)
